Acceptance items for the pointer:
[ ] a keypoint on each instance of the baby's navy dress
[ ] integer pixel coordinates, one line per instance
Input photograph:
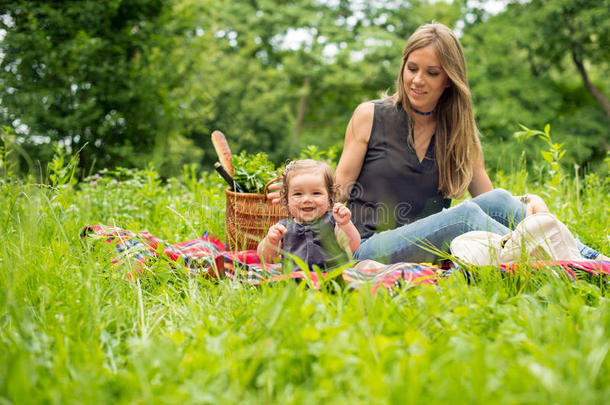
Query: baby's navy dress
(314, 242)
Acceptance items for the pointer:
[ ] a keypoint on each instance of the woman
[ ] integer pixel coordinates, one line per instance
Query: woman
(407, 155)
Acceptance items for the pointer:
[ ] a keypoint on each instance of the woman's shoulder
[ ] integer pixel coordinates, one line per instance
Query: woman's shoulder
(366, 111)
(362, 120)
(365, 114)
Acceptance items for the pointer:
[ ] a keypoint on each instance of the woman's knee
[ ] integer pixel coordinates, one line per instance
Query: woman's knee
(467, 210)
(499, 196)
(469, 216)
(500, 204)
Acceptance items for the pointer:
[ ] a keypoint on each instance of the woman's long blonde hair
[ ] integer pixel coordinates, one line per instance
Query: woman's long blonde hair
(457, 144)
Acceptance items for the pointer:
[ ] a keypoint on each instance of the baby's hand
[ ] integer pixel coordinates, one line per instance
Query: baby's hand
(342, 214)
(275, 234)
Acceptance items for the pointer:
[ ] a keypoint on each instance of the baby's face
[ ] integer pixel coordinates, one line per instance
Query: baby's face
(308, 197)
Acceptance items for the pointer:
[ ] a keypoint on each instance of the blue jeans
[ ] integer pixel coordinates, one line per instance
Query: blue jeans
(425, 240)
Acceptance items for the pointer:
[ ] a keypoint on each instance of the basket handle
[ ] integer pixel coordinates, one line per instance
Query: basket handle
(273, 180)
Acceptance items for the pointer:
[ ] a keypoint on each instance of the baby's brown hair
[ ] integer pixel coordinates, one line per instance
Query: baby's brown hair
(309, 165)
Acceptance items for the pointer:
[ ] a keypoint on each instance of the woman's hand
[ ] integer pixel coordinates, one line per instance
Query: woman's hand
(274, 195)
(534, 204)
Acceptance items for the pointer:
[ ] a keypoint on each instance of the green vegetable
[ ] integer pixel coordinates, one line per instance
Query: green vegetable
(253, 172)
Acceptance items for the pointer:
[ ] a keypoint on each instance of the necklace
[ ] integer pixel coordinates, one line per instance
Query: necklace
(421, 112)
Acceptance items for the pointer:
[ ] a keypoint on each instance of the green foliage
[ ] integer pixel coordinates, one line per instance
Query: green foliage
(254, 171)
(552, 156)
(330, 155)
(541, 62)
(7, 163)
(62, 168)
(73, 73)
(186, 205)
(142, 81)
(72, 330)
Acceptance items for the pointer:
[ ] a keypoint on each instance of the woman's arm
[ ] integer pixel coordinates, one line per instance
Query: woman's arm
(481, 184)
(480, 180)
(354, 148)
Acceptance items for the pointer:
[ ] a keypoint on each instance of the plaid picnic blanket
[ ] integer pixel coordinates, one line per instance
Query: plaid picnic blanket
(208, 257)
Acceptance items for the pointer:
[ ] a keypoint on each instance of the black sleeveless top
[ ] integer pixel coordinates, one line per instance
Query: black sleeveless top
(393, 187)
(313, 242)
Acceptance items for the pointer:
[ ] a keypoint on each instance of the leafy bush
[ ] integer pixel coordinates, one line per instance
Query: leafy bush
(254, 171)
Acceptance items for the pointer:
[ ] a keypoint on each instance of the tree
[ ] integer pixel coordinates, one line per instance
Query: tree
(276, 75)
(142, 80)
(71, 74)
(580, 28)
(522, 70)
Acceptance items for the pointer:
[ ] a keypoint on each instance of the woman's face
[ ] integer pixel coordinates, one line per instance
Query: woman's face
(424, 78)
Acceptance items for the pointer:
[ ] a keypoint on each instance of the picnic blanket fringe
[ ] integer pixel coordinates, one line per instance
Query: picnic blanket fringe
(208, 257)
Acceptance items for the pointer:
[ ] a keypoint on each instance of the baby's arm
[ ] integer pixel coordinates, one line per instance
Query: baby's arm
(269, 248)
(345, 227)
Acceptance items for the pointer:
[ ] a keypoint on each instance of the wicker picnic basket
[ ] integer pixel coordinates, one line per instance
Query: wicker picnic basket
(249, 216)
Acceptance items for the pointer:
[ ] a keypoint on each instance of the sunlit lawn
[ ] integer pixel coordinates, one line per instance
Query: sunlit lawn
(72, 330)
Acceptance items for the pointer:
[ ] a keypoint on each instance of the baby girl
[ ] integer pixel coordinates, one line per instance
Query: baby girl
(319, 230)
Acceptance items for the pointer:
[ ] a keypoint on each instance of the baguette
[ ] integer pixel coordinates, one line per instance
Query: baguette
(223, 151)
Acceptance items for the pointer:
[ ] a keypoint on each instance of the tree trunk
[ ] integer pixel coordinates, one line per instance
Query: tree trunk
(160, 149)
(84, 160)
(301, 109)
(11, 165)
(599, 96)
(530, 57)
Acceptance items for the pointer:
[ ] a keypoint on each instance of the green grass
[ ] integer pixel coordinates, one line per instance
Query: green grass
(73, 331)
